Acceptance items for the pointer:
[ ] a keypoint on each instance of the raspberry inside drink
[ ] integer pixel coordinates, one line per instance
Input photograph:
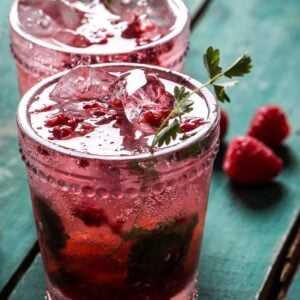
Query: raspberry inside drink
(115, 219)
(51, 36)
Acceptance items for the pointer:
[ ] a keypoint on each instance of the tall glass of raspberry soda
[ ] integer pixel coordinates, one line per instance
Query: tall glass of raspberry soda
(116, 220)
(51, 36)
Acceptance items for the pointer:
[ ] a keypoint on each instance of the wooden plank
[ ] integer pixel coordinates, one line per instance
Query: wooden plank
(294, 291)
(194, 6)
(31, 287)
(17, 233)
(289, 267)
(246, 228)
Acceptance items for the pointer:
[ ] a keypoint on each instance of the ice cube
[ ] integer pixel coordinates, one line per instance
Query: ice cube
(158, 11)
(82, 83)
(71, 38)
(35, 21)
(143, 30)
(142, 92)
(45, 18)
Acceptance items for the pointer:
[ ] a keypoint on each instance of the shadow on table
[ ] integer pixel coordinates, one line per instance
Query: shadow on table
(287, 156)
(220, 156)
(263, 196)
(258, 197)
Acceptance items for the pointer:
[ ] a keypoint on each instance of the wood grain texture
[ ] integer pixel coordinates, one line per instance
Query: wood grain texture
(246, 228)
(31, 287)
(294, 291)
(17, 233)
(194, 6)
(16, 224)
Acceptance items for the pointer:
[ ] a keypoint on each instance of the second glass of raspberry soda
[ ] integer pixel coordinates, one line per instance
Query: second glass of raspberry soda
(115, 218)
(50, 36)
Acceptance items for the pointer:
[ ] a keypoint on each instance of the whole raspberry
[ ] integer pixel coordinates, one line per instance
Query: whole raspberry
(90, 214)
(249, 161)
(269, 125)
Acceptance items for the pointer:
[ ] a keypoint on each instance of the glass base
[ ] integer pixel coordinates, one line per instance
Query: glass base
(189, 293)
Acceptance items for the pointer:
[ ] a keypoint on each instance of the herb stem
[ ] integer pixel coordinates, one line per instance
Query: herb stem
(182, 101)
(168, 131)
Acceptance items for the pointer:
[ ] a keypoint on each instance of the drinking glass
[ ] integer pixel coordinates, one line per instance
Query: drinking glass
(37, 55)
(120, 226)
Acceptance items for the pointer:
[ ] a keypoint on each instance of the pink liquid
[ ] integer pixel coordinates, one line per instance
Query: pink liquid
(49, 38)
(113, 220)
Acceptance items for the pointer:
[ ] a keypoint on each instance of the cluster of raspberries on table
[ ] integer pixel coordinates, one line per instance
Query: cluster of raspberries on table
(251, 159)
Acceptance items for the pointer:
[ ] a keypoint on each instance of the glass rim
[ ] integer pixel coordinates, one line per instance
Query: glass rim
(204, 93)
(16, 26)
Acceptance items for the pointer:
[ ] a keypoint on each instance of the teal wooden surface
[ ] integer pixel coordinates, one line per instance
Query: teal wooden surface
(246, 228)
(194, 6)
(16, 224)
(294, 291)
(17, 233)
(31, 286)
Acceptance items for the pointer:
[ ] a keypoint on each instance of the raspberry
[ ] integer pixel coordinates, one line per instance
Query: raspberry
(83, 163)
(103, 41)
(92, 105)
(269, 125)
(224, 121)
(44, 109)
(93, 215)
(61, 132)
(59, 119)
(90, 214)
(133, 29)
(153, 118)
(42, 151)
(191, 123)
(72, 39)
(249, 161)
(116, 103)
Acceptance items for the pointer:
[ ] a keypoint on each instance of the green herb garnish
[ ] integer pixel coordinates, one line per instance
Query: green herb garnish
(146, 171)
(54, 231)
(159, 252)
(183, 104)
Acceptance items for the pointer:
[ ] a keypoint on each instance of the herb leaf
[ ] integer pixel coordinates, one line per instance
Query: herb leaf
(180, 93)
(54, 231)
(220, 88)
(211, 61)
(159, 253)
(134, 233)
(167, 134)
(240, 67)
(183, 104)
(187, 106)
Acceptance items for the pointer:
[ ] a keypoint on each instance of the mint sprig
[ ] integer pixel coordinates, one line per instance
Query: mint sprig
(183, 104)
(159, 253)
(239, 68)
(167, 134)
